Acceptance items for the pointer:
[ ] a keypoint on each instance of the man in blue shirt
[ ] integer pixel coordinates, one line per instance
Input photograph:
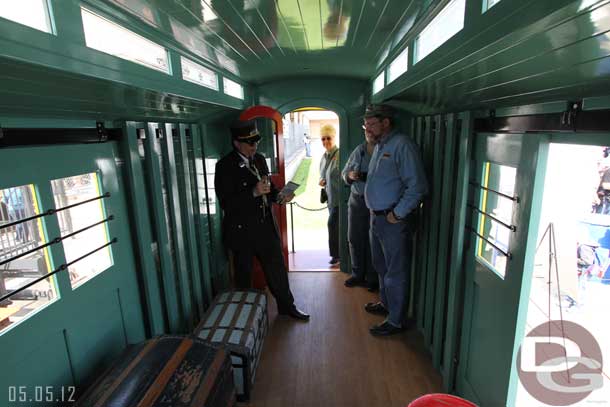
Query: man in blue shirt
(395, 186)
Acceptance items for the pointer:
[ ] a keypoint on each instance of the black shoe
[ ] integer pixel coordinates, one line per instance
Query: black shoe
(376, 308)
(353, 282)
(334, 260)
(385, 329)
(295, 313)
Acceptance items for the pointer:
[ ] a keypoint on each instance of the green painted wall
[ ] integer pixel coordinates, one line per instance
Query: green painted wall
(519, 52)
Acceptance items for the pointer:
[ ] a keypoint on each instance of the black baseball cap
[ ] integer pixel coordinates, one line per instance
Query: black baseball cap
(374, 110)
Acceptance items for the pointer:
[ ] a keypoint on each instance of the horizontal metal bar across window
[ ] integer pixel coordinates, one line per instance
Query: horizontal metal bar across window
(53, 211)
(57, 270)
(508, 255)
(56, 240)
(512, 198)
(506, 225)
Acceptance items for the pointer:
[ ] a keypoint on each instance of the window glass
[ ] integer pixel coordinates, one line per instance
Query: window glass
(198, 74)
(499, 178)
(17, 271)
(33, 13)
(70, 191)
(399, 65)
(487, 4)
(106, 36)
(210, 170)
(444, 26)
(378, 84)
(233, 88)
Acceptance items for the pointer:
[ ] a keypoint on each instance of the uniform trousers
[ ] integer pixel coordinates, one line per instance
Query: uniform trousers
(391, 251)
(268, 250)
(358, 225)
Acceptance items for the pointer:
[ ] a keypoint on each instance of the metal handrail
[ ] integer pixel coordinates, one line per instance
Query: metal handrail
(512, 198)
(56, 240)
(508, 255)
(506, 225)
(53, 211)
(57, 270)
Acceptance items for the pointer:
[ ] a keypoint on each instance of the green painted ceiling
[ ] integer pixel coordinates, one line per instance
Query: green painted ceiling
(261, 40)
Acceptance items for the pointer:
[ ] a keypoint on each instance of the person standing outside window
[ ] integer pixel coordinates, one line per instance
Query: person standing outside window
(329, 180)
(603, 190)
(396, 184)
(358, 217)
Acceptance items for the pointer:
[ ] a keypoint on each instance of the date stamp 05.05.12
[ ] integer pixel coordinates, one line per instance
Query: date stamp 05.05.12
(31, 396)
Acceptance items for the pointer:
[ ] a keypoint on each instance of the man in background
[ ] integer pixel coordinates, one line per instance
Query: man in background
(396, 184)
(358, 216)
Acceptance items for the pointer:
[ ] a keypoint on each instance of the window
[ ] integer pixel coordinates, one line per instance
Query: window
(207, 13)
(19, 265)
(378, 83)
(33, 13)
(198, 74)
(399, 65)
(69, 191)
(487, 4)
(444, 26)
(502, 179)
(210, 170)
(106, 36)
(233, 88)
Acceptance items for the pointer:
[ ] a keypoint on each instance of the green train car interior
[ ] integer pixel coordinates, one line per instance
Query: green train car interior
(114, 113)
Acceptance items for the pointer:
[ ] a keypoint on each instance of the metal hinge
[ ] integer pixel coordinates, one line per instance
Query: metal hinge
(101, 132)
(568, 118)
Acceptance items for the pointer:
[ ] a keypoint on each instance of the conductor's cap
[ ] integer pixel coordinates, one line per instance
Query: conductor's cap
(245, 131)
(381, 111)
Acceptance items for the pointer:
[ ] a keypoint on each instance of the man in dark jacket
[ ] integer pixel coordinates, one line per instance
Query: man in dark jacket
(246, 194)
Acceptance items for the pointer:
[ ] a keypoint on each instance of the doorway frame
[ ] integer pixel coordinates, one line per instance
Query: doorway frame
(341, 113)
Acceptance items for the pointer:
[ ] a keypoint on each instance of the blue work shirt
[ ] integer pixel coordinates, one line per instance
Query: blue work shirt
(358, 161)
(396, 178)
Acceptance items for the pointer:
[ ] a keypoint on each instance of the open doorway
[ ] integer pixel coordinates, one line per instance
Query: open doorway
(571, 276)
(308, 237)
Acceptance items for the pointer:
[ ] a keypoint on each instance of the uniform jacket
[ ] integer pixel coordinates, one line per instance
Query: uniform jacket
(244, 214)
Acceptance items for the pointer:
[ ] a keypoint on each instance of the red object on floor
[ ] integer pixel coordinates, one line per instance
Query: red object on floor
(441, 400)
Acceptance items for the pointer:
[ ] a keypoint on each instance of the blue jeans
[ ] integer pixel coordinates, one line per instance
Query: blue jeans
(358, 224)
(391, 252)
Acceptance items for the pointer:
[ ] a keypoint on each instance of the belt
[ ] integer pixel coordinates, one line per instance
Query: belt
(383, 212)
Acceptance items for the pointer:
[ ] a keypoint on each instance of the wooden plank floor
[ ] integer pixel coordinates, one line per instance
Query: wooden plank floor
(333, 361)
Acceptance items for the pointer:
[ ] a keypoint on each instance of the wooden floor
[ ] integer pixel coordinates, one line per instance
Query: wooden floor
(333, 361)
(310, 260)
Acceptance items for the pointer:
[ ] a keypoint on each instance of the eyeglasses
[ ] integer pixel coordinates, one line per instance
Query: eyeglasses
(326, 138)
(366, 125)
(251, 142)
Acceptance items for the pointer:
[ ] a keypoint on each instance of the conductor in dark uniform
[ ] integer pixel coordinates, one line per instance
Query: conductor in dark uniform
(246, 194)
